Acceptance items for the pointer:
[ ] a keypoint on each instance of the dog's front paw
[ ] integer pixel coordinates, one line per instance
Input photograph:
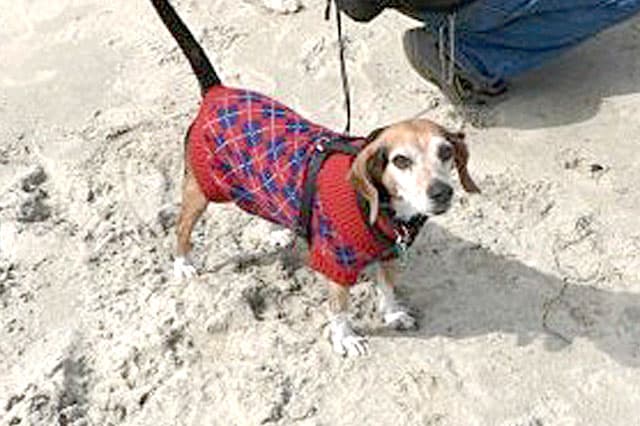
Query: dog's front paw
(183, 269)
(351, 346)
(399, 320)
(344, 340)
(283, 6)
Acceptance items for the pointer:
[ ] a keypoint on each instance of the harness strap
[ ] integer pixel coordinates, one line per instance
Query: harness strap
(378, 233)
(322, 151)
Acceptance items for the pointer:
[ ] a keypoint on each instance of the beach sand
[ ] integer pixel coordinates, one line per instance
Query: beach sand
(528, 295)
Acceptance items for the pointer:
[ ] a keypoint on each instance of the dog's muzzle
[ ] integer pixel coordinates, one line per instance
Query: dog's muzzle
(440, 193)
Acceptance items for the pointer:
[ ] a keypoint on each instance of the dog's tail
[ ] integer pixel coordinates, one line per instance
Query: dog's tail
(200, 64)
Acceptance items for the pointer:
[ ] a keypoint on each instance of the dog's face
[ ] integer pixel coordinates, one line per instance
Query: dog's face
(413, 162)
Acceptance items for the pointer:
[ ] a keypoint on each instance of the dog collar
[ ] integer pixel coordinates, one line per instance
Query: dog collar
(390, 231)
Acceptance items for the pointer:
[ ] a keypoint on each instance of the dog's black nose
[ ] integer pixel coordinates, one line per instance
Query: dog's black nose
(440, 192)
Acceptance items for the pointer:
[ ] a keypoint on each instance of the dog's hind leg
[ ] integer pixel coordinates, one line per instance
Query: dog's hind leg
(194, 203)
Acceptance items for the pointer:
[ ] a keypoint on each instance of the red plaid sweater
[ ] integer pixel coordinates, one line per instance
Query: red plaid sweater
(247, 148)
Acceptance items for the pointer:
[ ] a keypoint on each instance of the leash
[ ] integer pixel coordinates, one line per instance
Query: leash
(447, 65)
(343, 64)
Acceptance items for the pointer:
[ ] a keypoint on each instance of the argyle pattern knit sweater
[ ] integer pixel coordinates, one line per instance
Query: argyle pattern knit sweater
(247, 148)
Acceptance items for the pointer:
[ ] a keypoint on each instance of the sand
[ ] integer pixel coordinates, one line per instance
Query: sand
(528, 296)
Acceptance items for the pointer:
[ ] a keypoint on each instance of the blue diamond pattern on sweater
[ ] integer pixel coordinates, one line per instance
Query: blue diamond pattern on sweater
(268, 181)
(270, 111)
(345, 256)
(248, 96)
(240, 194)
(228, 117)
(324, 227)
(296, 159)
(275, 147)
(252, 132)
(246, 164)
(297, 126)
(291, 195)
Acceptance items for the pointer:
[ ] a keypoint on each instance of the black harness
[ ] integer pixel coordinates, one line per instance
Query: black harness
(405, 232)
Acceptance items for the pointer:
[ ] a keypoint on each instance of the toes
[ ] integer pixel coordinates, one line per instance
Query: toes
(351, 346)
(400, 320)
(182, 269)
(356, 346)
(339, 348)
(344, 340)
(188, 271)
(183, 272)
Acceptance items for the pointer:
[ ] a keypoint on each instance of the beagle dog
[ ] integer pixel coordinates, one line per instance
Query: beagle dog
(356, 200)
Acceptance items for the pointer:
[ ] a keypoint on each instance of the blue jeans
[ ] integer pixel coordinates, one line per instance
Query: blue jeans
(500, 39)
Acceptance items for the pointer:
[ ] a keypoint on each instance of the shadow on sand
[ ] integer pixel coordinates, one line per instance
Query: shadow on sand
(461, 290)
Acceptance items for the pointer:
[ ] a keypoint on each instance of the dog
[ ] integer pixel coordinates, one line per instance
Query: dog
(356, 200)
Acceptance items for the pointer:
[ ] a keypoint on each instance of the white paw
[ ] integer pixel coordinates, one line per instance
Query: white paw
(280, 238)
(344, 340)
(399, 320)
(351, 346)
(283, 6)
(183, 269)
(394, 314)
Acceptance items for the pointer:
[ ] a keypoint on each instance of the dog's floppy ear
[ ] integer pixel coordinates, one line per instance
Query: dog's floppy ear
(367, 170)
(461, 158)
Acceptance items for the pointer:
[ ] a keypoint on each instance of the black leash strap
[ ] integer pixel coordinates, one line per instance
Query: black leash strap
(343, 64)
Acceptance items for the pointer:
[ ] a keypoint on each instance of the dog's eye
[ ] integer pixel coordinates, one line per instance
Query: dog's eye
(402, 162)
(445, 152)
